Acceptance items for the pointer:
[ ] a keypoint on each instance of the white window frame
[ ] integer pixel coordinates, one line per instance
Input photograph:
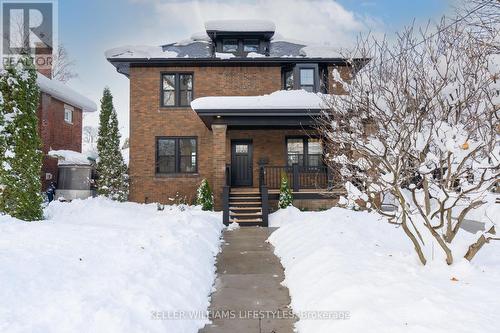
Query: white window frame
(68, 110)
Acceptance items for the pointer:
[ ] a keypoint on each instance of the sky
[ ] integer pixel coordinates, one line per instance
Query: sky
(89, 27)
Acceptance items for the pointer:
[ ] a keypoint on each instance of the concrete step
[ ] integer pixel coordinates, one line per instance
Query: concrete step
(246, 204)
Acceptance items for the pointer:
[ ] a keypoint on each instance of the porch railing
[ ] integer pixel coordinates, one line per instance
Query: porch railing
(299, 177)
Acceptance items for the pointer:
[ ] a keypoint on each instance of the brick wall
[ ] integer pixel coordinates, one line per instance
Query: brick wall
(56, 134)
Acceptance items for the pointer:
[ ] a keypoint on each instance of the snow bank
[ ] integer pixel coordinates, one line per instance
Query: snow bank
(240, 25)
(101, 266)
(66, 157)
(65, 94)
(342, 260)
(282, 99)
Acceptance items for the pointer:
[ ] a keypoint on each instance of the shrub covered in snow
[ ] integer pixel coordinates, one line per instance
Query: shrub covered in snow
(286, 197)
(420, 124)
(20, 154)
(112, 170)
(204, 196)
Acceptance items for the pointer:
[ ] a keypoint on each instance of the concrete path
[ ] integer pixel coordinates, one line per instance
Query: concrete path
(248, 279)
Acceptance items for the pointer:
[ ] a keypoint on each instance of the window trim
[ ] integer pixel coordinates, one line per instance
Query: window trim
(177, 90)
(72, 112)
(305, 145)
(176, 154)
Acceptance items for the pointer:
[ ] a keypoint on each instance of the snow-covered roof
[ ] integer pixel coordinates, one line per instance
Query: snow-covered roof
(282, 99)
(240, 25)
(70, 157)
(65, 94)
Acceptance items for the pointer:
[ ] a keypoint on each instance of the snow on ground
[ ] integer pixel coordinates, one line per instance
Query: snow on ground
(342, 260)
(101, 266)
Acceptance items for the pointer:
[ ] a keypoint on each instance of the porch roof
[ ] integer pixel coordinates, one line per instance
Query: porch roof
(296, 108)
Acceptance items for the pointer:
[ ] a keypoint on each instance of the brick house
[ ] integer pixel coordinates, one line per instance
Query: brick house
(234, 105)
(60, 113)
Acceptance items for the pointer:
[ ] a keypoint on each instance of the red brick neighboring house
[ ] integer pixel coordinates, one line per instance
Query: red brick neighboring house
(235, 105)
(60, 113)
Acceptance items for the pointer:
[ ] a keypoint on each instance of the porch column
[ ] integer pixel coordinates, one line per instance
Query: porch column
(219, 162)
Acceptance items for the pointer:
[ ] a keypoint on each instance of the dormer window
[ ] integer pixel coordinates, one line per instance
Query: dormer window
(230, 45)
(251, 45)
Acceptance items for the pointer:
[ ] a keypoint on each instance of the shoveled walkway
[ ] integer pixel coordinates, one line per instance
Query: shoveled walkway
(248, 279)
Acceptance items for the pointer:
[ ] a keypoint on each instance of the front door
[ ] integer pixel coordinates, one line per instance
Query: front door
(241, 163)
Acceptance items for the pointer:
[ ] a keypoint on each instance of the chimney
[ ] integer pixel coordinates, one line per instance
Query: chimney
(43, 59)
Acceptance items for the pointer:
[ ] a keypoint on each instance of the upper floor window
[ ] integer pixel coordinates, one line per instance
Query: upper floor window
(230, 45)
(288, 80)
(176, 155)
(251, 45)
(307, 79)
(177, 89)
(68, 114)
(302, 76)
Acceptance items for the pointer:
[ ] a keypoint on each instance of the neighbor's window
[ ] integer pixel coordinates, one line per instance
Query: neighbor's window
(230, 45)
(251, 45)
(68, 114)
(176, 155)
(304, 151)
(307, 79)
(177, 89)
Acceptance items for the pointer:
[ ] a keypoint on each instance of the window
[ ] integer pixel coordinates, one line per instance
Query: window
(177, 89)
(230, 45)
(307, 79)
(176, 155)
(304, 152)
(288, 80)
(251, 45)
(68, 114)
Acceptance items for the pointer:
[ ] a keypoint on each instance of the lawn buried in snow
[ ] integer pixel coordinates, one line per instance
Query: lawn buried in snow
(101, 266)
(341, 262)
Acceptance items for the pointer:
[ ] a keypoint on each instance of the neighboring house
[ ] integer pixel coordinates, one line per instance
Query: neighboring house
(60, 122)
(234, 105)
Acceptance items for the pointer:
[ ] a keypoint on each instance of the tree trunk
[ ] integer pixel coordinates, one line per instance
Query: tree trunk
(474, 248)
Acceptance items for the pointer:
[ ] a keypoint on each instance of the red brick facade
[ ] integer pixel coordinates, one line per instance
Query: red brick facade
(148, 120)
(56, 133)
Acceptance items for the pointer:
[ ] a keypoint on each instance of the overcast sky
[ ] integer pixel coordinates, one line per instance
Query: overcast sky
(88, 27)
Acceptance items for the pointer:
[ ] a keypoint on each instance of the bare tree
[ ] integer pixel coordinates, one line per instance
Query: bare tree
(63, 68)
(420, 123)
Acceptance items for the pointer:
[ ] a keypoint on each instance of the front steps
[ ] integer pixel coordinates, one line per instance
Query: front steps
(245, 208)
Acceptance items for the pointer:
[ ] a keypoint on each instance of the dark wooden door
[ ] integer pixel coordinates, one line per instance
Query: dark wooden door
(241, 163)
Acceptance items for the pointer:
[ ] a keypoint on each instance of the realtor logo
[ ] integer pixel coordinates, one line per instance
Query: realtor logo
(29, 27)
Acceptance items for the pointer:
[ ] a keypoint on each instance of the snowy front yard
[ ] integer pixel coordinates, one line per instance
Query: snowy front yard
(342, 260)
(102, 266)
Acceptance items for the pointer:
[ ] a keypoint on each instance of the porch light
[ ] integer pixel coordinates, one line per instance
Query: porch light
(218, 117)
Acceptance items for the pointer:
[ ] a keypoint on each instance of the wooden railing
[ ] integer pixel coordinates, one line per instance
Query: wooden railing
(299, 177)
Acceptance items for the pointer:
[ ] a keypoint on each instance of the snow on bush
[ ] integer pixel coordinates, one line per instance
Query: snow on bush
(343, 262)
(102, 266)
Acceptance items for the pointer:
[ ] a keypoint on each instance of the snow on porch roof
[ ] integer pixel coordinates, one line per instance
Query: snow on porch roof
(65, 94)
(240, 26)
(279, 100)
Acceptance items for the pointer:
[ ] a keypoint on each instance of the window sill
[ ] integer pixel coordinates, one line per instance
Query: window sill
(175, 107)
(176, 175)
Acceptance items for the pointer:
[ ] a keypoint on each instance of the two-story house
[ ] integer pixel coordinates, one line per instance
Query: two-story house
(235, 105)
